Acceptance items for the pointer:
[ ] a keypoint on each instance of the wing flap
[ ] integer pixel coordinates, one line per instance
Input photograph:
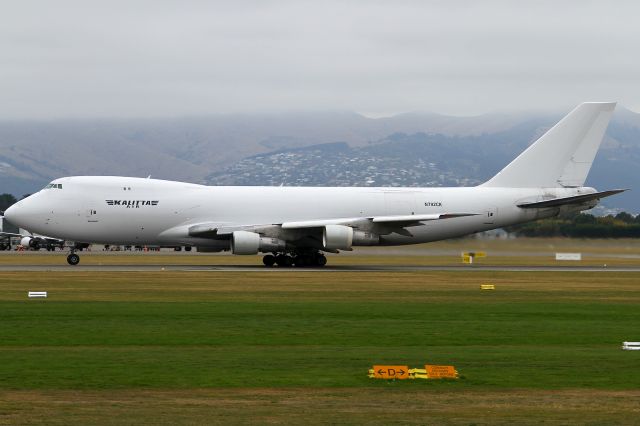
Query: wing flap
(419, 217)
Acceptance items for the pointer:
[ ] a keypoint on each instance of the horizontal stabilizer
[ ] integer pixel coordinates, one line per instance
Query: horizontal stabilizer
(578, 199)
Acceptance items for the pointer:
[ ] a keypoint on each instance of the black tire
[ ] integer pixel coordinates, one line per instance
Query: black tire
(73, 259)
(269, 260)
(321, 260)
(187, 248)
(3, 246)
(284, 260)
(177, 248)
(303, 261)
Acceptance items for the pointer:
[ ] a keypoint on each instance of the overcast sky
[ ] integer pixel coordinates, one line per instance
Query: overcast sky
(62, 59)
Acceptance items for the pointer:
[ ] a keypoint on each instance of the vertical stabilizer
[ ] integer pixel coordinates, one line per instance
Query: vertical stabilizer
(562, 157)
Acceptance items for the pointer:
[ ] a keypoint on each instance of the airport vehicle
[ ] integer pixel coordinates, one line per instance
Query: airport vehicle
(296, 225)
(9, 233)
(30, 241)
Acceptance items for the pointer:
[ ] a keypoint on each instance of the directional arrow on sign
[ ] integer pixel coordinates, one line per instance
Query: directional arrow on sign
(391, 371)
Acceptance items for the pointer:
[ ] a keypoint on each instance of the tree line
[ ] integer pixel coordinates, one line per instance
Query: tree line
(6, 200)
(582, 225)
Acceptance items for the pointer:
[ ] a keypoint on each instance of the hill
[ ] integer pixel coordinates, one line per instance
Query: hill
(322, 148)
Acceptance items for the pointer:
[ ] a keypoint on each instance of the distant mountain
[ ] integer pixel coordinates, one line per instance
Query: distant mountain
(327, 148)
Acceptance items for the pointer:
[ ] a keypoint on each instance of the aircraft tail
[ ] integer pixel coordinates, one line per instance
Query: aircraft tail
(562, 157)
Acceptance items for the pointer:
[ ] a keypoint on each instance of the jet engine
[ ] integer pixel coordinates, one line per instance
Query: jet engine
(30, 242)
(244, 242)
(340, 237)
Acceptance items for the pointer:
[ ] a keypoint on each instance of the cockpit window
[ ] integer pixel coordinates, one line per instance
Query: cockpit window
(54, 185)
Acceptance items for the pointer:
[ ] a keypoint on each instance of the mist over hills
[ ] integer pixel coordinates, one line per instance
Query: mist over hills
(321, 148)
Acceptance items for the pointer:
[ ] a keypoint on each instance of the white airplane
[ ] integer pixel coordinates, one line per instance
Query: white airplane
(295, 225)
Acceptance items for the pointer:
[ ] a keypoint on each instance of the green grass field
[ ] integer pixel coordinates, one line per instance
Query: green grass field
(290, 347)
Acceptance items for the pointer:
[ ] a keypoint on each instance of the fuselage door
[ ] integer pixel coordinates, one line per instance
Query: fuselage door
(490, 216)
(92, 215)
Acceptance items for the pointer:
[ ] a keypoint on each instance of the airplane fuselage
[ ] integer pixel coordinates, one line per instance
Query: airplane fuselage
(135, 211)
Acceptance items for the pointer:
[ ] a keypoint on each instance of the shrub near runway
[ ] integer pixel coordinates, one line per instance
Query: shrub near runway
(193, 330)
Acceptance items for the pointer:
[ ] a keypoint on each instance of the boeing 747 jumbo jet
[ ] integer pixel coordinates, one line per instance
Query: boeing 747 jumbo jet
(296, 225)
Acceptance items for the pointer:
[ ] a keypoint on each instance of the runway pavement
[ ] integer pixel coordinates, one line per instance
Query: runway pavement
(333, 268)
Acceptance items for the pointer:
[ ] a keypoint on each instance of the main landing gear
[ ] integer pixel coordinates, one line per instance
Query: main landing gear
(300, 260)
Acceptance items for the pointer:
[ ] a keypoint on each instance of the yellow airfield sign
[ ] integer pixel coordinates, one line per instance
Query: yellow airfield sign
(402, 372)
(469, 256)
(399, 372)
(441, 371)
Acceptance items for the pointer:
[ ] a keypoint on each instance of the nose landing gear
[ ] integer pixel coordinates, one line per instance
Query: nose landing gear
(73, 259)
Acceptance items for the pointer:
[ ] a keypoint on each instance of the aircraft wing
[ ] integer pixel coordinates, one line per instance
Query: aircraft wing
(400, 220)
(34, 236)
(214, 230)
(577, 199)
(10, 234)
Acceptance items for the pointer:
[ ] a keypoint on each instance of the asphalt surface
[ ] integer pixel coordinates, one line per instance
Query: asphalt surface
(329, 268)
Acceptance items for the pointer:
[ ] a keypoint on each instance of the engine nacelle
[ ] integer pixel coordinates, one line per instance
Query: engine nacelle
(25, 241)
(244, 242)
(340, 237)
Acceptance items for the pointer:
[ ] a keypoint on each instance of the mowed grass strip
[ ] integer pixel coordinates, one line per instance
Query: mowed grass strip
(237, 330)
(379, 406)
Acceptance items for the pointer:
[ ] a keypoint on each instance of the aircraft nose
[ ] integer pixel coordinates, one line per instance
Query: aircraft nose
(10, 213)
(18, 215)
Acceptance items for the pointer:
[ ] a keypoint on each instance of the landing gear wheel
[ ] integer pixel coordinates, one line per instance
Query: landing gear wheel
(301, 261)
(269, 260)
(321, 260)
(73, 259)
(283, 260)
